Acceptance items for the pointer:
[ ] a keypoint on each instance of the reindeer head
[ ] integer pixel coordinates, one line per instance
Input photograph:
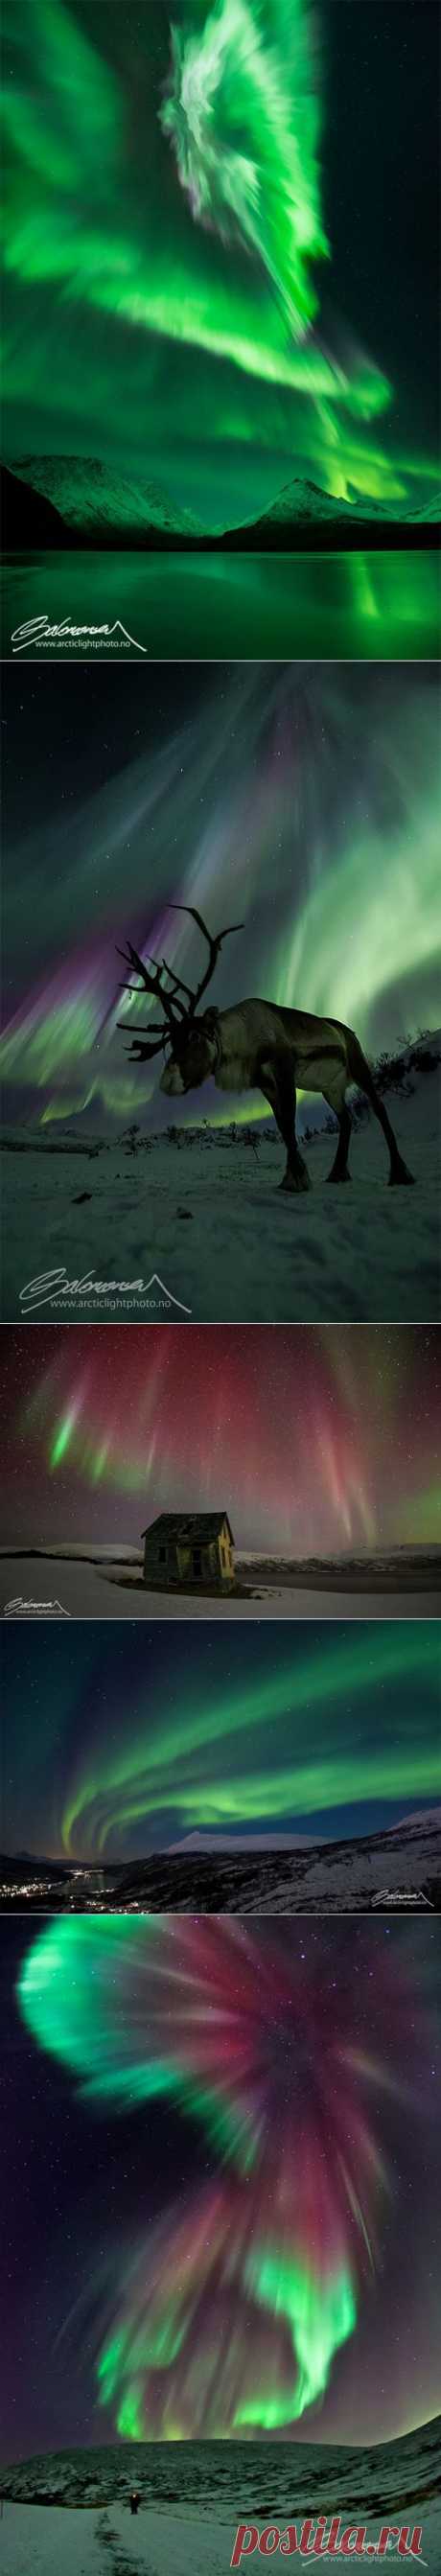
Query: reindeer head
(193, 1056)
(190, 1042)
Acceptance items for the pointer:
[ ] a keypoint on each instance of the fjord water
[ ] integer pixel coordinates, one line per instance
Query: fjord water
(338, 605)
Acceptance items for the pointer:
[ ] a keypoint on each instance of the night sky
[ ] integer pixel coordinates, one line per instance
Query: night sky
(117, 1745)
(301, 799)
(220, 2141)
(313, 1438)
(218, 312)
(220, 2154)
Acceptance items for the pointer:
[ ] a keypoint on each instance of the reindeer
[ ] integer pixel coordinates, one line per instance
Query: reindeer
(255, 1046)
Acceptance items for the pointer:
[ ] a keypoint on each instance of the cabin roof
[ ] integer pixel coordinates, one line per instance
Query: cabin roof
(192, 1525)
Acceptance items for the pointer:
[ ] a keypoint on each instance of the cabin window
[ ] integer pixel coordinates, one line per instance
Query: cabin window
(163, 1556)
(197, 1560)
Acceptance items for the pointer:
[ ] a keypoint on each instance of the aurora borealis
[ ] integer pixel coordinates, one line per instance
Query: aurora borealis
(234, 2138)
(112, 1748)
(313, 1438)
(225, 83)
(301, 792)
(220, 2129)
(216, 282)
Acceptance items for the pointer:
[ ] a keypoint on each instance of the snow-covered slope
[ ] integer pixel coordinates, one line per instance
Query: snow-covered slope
(303, 501)
(227, 1245)
(89, 494)
(386, 1872)
(399, 1867)
(107, 2542)
(208, 2477)
(239, 1843)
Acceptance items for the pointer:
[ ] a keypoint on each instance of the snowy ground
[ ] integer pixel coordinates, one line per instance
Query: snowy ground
(203, 1224)
(49, 2539)
(105, 1584)
(193, 2496)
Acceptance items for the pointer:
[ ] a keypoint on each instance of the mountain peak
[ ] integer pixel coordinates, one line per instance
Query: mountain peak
(89, 493)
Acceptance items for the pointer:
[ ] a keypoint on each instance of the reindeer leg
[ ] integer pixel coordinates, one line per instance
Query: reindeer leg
(276, 1082)
(360, 1071)
(398, 1171)
(339, 1168)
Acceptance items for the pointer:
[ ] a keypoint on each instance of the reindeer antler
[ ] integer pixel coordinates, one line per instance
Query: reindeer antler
(177, 1013)
(214, 944)
(150, 983)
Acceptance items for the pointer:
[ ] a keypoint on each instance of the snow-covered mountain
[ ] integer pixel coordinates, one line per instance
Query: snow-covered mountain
(209, 2476)
(417, 1829)
(89, 494)
(240, 1842)
(302, 501)
(286, 1874)
(29, 519)
(392, 1869)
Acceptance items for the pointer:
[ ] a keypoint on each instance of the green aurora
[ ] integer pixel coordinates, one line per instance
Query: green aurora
(299, 2068)
(229, 1764)
(330, 769)
(67, 1991)
(169, 228)
(354, 606)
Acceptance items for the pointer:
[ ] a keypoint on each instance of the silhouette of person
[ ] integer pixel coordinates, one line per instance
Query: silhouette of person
(134, 2501)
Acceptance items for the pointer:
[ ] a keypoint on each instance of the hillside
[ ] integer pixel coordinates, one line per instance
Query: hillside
(96, 502)
(394, 1871)
(401, 1867)
(302, 501)
(208, 2475)
(29, 519)
(90, 495)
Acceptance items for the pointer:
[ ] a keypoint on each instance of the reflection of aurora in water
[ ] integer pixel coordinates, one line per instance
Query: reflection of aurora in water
(322, 780)
(350, 606)
(306, 2062)
(116, 1753)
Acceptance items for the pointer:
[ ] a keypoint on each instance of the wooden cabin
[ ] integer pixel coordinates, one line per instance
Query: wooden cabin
(185, 1548)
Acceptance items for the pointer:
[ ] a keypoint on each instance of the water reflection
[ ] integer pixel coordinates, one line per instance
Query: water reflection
(346, 606)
